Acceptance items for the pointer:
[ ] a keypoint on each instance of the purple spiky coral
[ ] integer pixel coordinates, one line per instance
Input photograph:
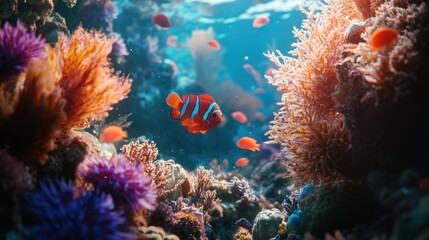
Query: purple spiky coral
(17, 48)
(124, 180)
(99, 10)
(59, 215)
(119, 49)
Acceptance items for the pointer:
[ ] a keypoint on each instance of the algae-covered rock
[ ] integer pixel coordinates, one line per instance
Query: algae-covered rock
(414, 224)
(266, 224)
(155, 233)
(338, 206)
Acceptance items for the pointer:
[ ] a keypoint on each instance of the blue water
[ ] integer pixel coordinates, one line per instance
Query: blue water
(240, 44)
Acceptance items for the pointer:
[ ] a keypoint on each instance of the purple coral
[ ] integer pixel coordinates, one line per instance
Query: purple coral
(99, 10)
(59, 215)
(17, 48)
(124, 180)
(119, 49)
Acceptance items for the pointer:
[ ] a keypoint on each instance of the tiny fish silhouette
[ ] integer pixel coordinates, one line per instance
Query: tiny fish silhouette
(239, 117)
(260, 21)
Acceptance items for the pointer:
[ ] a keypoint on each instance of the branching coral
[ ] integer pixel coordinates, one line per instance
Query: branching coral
(202, 180)
(145, 154)
(90, 85)
(311, 131)
(31, 120)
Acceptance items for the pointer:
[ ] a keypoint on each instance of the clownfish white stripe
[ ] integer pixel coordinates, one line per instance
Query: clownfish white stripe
(206, 114)
(182, 112)
(196, 107)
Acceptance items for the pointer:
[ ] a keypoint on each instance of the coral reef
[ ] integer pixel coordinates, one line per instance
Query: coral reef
(64, 160)
(382, 94)
(53, 27)
(313, 134)
(340, 206)
(34, 12)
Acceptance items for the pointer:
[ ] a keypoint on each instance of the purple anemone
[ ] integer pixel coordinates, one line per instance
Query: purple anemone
(59, 215)
(119, 49)
(124, 180)
(99, 10)
(17, 48)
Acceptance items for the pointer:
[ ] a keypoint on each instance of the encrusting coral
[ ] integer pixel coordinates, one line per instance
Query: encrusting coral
(311, 131)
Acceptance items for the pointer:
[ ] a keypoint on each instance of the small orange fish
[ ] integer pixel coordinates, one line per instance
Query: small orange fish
(242, 162)
(269, 72)
(113, 134)
(383, 38)
(161, 20)
(424, 184)
(248, 143)
(259, 116)
(214, 44)
(260, 21)
(172, 41)
(198, 112)
(239, 117)
(249, 68)
(259, 91)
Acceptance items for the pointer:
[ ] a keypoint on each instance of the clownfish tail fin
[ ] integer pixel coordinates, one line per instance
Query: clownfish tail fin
(173, 100)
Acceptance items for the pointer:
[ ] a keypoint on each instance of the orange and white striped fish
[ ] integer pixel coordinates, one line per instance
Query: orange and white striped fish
(198, 112)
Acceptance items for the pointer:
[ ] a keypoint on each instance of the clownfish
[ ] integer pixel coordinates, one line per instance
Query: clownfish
(198, 112)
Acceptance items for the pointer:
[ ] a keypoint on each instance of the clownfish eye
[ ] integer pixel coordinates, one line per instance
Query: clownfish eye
(214, 115)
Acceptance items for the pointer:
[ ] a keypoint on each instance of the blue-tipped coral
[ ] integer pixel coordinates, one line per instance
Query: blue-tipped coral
(124, 180)
(59, 215)
(17, 48)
